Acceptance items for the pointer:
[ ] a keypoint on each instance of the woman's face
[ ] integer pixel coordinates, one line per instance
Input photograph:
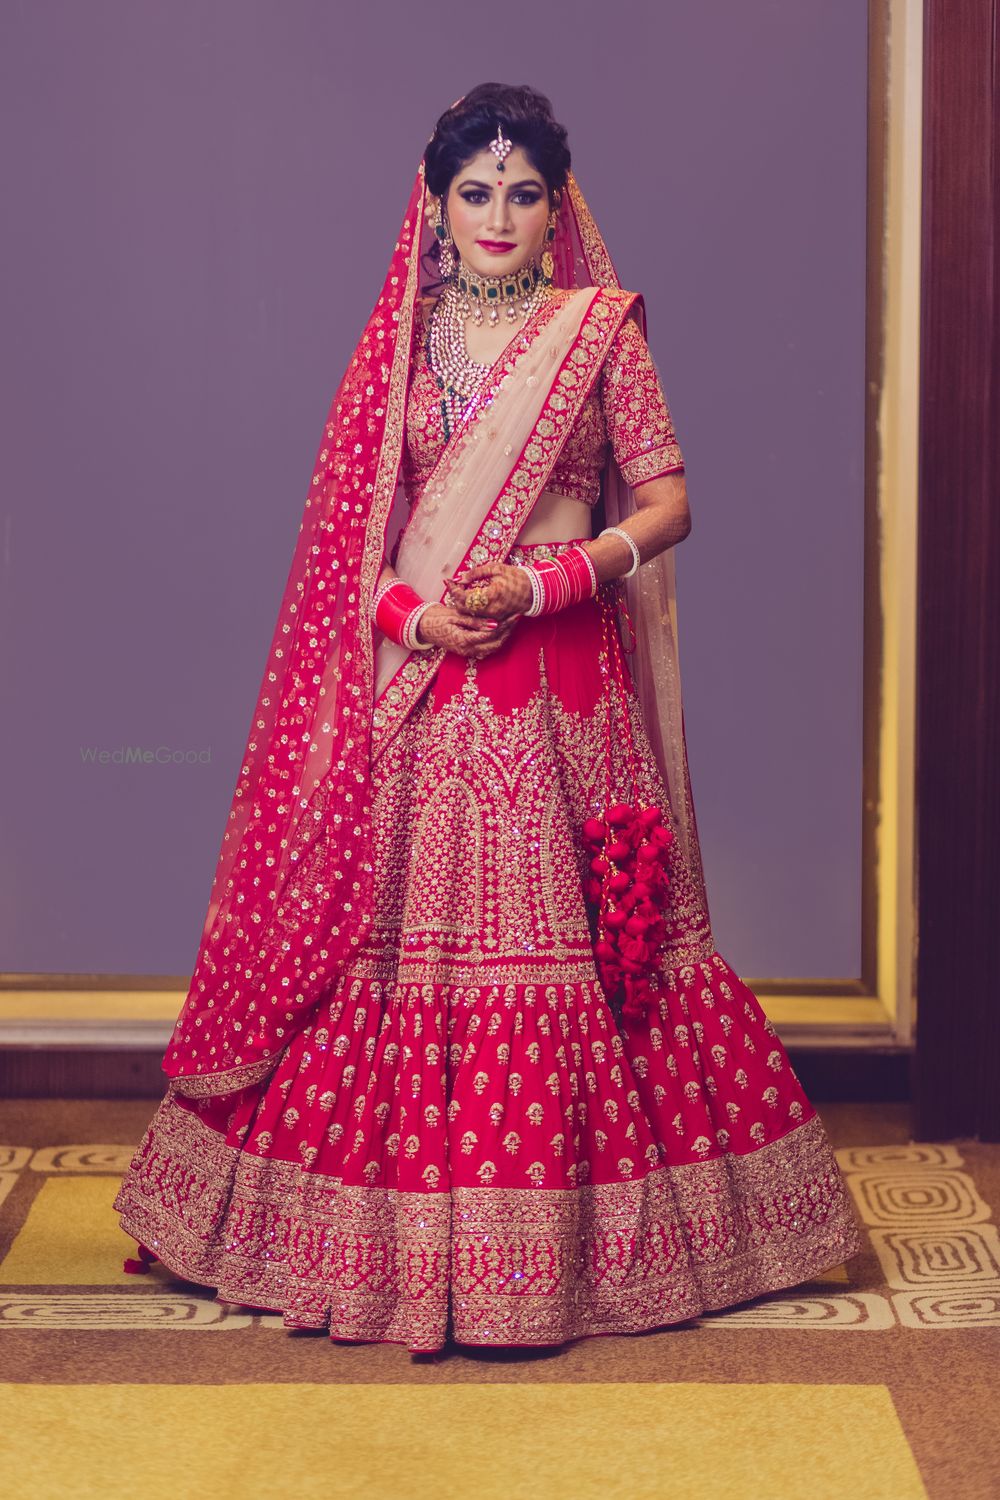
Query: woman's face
(497, 219)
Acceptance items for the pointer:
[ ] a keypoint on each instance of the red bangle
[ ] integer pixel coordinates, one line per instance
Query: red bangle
(394, 609)
(566, 579)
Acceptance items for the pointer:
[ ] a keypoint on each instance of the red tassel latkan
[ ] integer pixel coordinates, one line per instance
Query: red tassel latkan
(627, 882)
(141, 1266)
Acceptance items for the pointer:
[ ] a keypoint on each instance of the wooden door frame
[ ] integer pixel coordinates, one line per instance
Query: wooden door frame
(957, 1065)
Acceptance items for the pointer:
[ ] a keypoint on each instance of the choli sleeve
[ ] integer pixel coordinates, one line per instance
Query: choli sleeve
(636, 414)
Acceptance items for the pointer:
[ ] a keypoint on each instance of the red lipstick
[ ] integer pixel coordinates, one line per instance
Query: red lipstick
(498, 247)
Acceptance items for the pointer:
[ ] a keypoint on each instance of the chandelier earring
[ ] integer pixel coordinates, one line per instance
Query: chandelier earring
(446, 254)
(548, 263)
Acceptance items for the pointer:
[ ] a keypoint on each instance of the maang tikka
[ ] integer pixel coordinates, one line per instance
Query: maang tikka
(501, 148)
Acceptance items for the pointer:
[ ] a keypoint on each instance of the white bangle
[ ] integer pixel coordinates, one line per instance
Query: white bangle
(591, 570)
(409, 631)
(537, 597)
(636, 559)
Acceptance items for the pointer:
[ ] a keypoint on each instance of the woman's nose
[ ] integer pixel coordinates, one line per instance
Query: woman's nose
(499, 216)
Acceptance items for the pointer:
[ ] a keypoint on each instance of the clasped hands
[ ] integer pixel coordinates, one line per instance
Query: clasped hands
(502, 592)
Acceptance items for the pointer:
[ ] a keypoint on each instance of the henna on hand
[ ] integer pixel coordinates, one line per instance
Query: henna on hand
(465, 634)
(508, 590)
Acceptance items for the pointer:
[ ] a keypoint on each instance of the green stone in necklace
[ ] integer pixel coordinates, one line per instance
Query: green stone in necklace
(493, 292)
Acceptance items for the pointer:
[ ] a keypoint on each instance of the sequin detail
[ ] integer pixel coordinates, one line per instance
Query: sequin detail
(626, 407)
(467, 1138)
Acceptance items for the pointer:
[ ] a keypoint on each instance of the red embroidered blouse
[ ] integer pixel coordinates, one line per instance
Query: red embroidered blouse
(626, 407)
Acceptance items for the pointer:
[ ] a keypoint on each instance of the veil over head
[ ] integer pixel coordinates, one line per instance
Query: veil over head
(291, 897)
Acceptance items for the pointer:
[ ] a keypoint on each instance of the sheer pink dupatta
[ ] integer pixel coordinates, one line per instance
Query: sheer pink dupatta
(651, 594)
(464, 486)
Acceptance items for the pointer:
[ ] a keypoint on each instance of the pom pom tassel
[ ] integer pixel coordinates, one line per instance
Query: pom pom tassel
(627, 880)
(628, 886)
(141, 1266)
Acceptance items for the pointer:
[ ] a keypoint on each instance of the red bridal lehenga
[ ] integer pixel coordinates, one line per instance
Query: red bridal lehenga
(403, 1105)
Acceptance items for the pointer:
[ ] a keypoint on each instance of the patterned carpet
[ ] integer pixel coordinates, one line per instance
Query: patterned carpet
(877, 1381)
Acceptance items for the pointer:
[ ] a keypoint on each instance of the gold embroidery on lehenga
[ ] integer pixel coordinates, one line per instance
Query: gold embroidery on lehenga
(463, 1141)
(482, 858)
(444, 891)
(491, 1265)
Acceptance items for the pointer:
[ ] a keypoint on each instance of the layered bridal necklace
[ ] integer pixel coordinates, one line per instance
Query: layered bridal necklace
(467, 295)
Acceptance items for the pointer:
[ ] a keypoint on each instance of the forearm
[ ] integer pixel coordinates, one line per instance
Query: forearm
(662, 520)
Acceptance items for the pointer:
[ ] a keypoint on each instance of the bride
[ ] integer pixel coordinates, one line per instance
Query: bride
(460, 1058)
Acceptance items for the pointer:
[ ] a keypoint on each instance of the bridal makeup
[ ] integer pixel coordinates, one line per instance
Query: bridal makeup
(498, 220)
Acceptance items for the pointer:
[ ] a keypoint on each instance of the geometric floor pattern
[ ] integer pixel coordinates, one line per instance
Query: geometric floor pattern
(745, 1402)
(935, 1240)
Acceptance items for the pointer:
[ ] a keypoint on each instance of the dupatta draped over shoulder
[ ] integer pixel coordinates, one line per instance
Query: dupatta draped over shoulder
(291, 896)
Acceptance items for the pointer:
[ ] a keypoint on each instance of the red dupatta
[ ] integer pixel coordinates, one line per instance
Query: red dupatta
(291, 897)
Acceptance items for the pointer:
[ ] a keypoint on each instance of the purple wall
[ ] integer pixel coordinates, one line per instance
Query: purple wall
(200, 201)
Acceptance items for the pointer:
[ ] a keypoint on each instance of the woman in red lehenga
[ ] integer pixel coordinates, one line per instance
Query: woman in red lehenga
(459, 1056)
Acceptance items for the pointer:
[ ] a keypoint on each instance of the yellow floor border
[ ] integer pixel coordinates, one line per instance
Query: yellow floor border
(600, 1441)
(71, 1237)
(158, 1009)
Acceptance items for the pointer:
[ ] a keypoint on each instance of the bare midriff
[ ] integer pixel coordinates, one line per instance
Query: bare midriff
(556, 518)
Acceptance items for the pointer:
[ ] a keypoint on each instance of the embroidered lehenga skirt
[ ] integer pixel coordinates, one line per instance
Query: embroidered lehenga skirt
(469, 1141)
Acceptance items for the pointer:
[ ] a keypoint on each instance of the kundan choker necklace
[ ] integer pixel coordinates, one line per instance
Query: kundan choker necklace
(483, 296)
(459, 378)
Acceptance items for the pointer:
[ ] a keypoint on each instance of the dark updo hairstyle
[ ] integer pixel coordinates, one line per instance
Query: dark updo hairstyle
(468, 127)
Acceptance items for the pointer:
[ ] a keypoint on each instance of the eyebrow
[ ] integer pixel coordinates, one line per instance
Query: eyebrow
(526, 182)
